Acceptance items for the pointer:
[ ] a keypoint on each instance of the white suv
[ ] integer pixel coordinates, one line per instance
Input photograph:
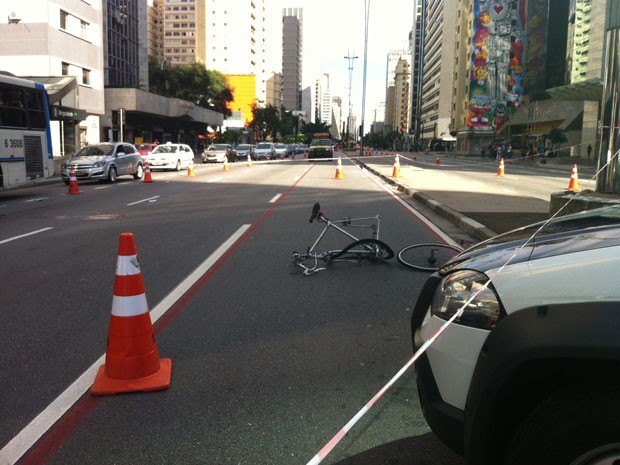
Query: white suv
(530, 372)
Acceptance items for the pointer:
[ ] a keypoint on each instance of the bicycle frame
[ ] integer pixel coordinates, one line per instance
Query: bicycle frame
(338, 225)
(347, 222)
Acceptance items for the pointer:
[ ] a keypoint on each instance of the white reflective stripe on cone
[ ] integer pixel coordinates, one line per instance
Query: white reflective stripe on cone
(127, 265)
(129, 306)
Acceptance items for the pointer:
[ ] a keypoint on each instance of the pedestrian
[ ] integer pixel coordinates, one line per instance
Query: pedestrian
(509, 152)
(483, 154)
(589, 150)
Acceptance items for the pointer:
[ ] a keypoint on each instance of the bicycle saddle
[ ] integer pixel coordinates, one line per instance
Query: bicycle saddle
(315, 210)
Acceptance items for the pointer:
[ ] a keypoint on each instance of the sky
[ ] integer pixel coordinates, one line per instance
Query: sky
(334, 29)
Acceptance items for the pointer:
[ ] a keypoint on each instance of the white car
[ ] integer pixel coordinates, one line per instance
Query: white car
(528, 373)
(171, 156)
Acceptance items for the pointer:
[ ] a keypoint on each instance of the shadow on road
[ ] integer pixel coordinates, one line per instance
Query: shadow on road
(419, 450)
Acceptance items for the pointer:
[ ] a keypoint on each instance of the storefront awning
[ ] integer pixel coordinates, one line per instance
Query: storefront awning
(589, 90)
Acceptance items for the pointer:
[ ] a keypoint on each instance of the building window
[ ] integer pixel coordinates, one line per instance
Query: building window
(86, 77)
(65, 69)
(63, 19)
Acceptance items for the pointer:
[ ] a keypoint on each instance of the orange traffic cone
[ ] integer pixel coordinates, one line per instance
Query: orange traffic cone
(396, 169)
(132, 362)
(339, 174)
(437, 161)
(147, 173)
(190, 170)
(500, 170)
(573, 185)
(74, 188)
(249, 161)
(226, 167)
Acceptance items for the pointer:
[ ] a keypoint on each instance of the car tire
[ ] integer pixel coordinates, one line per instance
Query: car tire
(139, 172)
(112, 174)
(576, 426)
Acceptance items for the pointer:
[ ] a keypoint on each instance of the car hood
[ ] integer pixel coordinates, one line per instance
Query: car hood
(86, 160)
(587, 230)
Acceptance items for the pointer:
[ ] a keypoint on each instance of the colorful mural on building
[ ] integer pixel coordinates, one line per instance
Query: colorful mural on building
(497, 62)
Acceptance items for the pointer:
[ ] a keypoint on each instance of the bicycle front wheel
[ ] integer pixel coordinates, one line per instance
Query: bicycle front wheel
(427, 256)
(372, 249)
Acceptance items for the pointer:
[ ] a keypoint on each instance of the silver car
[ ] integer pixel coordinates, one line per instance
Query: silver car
(265, 151)
(104, 162)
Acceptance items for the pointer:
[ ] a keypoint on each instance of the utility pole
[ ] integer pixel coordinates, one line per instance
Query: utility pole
(350, 59)
(366, 17)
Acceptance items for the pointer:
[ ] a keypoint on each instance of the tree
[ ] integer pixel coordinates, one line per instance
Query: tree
(193, 83)
(266, 122)
(309, 129)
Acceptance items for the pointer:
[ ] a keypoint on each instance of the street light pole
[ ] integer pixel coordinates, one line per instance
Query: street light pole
(366, 14)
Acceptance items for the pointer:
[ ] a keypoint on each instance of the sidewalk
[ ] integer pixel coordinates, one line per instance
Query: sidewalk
(471, 207)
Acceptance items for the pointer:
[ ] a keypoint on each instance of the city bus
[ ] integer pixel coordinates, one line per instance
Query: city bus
(25, 137)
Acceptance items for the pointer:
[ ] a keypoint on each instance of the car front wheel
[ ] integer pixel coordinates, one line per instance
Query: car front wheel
(112, 175)
(139, 172)
(576, 426)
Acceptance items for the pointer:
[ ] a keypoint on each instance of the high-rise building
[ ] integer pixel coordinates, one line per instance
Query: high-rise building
(292, 27)
(122, 44)
(416, 41)
(229, 37)
(59, 44)
(439, 26)
(323, 100)
(274, 90)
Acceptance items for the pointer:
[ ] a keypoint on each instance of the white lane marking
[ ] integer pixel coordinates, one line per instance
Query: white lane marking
(26, 438)
(150, 199)
(421, 217)
(102, 187)
(275, 199)
(214, 180)
(25, 235)
(38, 199)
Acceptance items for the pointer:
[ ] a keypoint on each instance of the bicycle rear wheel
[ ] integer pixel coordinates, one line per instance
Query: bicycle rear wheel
(427, 256)
(371, 249)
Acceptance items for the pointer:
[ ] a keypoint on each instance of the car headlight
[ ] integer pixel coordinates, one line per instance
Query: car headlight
(484, 311)
(98, 164)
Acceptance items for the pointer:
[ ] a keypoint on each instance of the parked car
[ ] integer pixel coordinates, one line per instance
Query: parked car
(145, 149)
(291, 150)
(215, 153)
(528, 372)
(243, 150)
(280, 150)
(265, 151)
(104, 162)
(171, 156)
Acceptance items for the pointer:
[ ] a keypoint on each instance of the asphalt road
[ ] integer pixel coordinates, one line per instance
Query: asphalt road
(268, 364)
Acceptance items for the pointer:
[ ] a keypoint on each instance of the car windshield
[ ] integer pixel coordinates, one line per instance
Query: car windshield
(243, 147)
(263, 146)
(165, 149)
(144, 146)
(217, 147)
(98, 150)
(321, 142)
(280, 146)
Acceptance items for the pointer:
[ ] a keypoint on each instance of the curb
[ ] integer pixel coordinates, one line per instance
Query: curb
(478, 231)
